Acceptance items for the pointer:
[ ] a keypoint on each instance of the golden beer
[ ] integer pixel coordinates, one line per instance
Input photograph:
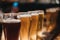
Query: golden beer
(40, 29)
(34, 26)
(25, 25)
(41, 19)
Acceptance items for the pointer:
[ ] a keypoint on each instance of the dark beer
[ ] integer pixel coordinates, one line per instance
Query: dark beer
(11, 29)
(25, 25)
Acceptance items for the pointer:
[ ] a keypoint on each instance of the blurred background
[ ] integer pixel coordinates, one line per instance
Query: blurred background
(31, 1)
(27, 5)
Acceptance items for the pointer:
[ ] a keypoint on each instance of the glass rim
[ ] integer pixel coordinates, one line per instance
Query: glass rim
(23, 14)
(36, 12)
(19, 16)
(52, 9)
(11, 21)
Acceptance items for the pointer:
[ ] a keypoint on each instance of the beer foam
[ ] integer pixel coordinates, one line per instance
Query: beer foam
(35, 14)
(32, 12)
(19, 16)
(51, 10)
(40, 11)
(57, 8)
(11, 20)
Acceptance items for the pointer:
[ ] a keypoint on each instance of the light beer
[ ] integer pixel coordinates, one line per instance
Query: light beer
(11, 29)
(41, 19)
(25, 25)
(34, 25)
(41, 29)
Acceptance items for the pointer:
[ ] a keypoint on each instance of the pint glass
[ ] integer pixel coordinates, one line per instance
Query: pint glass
(41, 29)
(51, 17)
(25, 25)
(34, 25)
(11, 27)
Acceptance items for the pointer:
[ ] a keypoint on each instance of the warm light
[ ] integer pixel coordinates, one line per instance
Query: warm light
(19, 38)
(33, 37)
(3, 37)
(40, 33)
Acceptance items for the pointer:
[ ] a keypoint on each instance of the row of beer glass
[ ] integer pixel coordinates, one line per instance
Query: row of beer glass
(31, 25)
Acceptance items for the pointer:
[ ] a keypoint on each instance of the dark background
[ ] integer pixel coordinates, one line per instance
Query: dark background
(6, 6)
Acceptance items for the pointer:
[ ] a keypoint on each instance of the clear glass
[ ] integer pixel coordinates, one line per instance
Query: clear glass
(34, 24)
(51, 19)
(25, 25)
(11, 27)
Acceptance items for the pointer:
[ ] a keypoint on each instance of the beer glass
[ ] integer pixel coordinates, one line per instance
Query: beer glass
(34, 25)
(11, 27)
(25, 25)
(41, 29)
(51, 17)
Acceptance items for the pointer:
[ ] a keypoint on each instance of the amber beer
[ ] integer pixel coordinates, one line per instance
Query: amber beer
(11, 29)
(34, 25)
(51, 16)
(41, 19)
(25, 25)
(41, 28)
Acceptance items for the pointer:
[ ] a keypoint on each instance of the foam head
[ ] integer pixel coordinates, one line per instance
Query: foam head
(23, 14)
(33, 12)
(41, 11)
(36, 12)
(51, 10)
(19, 16)
(9, 20)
